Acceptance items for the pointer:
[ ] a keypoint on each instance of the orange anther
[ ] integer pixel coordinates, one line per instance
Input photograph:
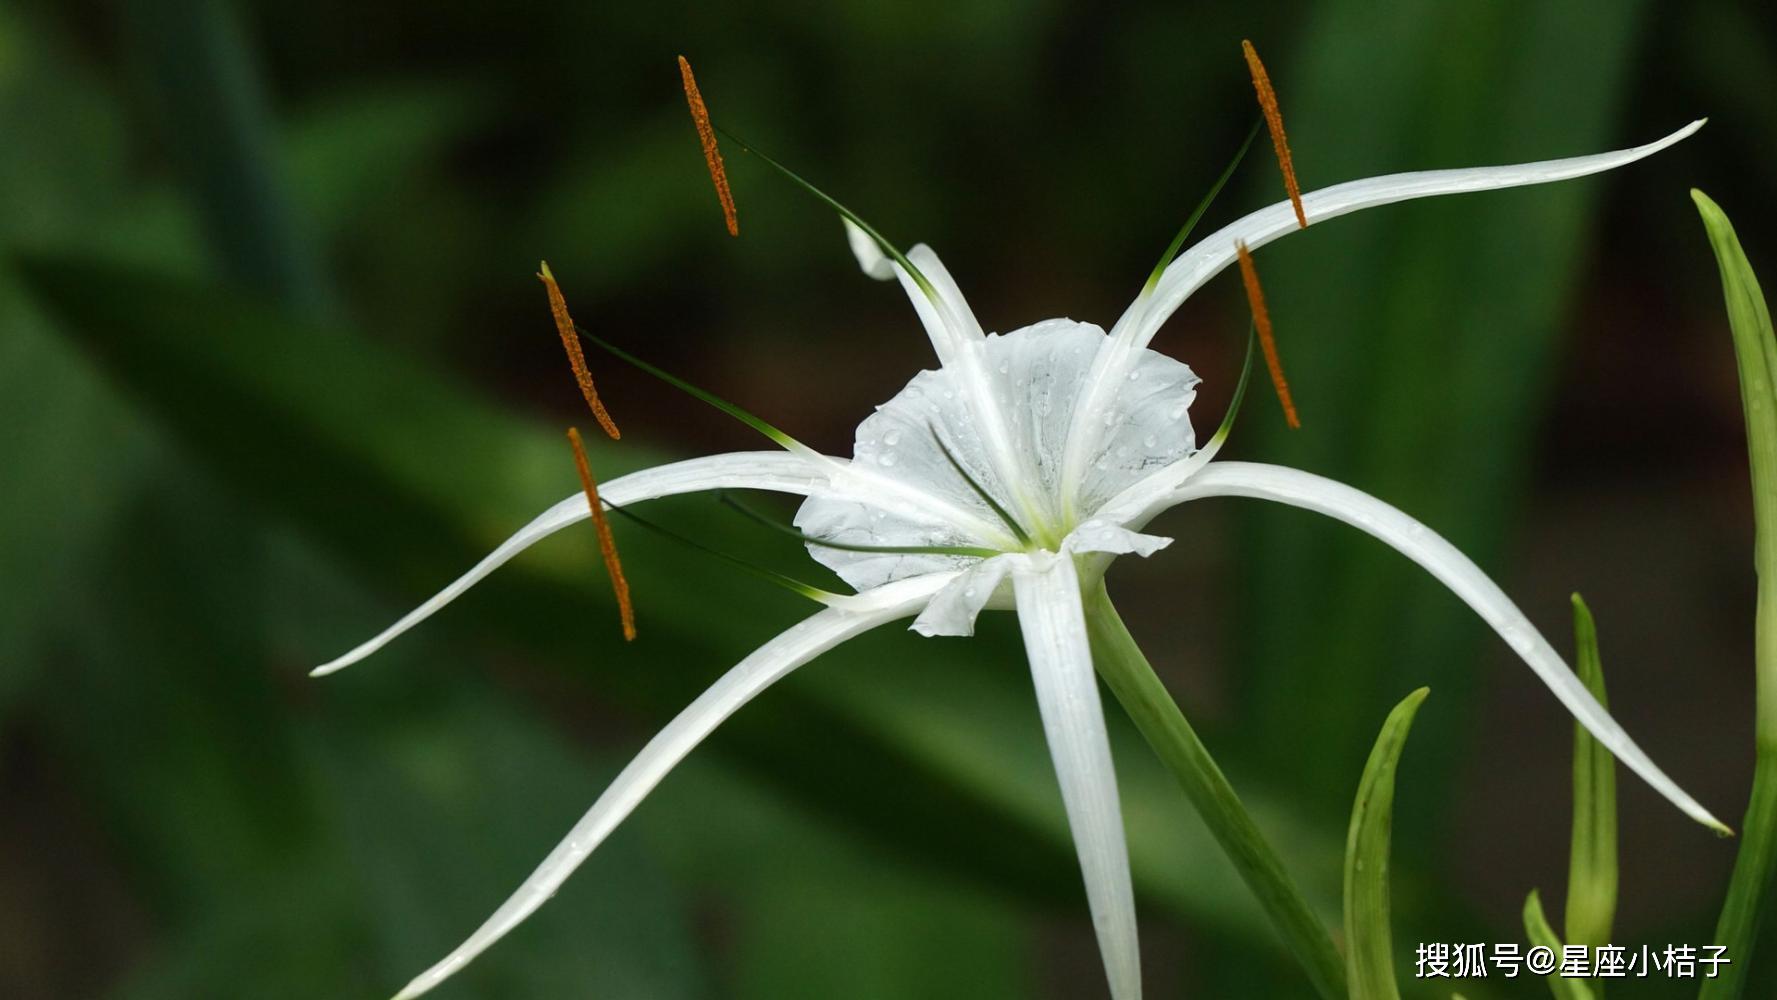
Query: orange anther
(1255, 298)
(706, 134)
(570, 342)
(607, 544)
(1274, 123)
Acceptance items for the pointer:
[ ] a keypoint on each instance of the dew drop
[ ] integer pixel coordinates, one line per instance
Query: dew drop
(1134, 376)
(1150, 441)
(892, 438)
(888, 458)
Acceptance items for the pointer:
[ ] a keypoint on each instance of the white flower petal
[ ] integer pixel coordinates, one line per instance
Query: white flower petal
(1110, 538)
(1214, 252)
(949, 322)
(1454, 570)
(871, 259)
(1203, 260)
(768, 664)
(956, 307)
(1054, 626)
(954, 609)
(761, 470)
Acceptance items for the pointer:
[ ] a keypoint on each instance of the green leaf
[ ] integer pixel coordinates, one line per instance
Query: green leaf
(1536, 927)
(1131, 678)
(1592, 861)
(1369, 949)
(1755, 352)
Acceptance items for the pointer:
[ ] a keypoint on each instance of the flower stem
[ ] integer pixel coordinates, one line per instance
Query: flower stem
(1130, 677)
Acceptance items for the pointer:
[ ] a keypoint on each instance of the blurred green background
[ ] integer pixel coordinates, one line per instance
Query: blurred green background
(273, 366)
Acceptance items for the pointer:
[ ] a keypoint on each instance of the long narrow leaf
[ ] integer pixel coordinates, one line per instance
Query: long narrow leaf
(1536, 927)
(1369, 951)
(1755, 351)
(1592, 860)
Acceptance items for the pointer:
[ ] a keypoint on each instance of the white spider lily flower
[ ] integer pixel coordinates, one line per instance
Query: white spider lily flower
(1010, 477)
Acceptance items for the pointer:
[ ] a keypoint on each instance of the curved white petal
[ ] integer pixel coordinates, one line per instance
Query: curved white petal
(1462, 576)
(1109, 538)
(953, 610)
(1054, 625)
(768, 664)
(871, 259)
(1206, 258)
(959, 343)
(949, 322)
(760, 470)
(1216, 251)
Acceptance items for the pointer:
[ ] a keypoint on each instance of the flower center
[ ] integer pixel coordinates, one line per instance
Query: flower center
(930, 468)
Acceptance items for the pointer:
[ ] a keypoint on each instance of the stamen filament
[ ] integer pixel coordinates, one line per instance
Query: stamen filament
(888, 248)
(772, 576)
(1196, 216)
(1274, 121)
(778, 437)
(607, 544)
(706, 135)
(1255, 298)
(934, 550)
(1246, 371)
(981, 491)
(564, 325)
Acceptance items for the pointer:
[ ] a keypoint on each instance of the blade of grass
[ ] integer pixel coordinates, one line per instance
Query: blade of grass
(1536, 927)
(1755, 352)
(1131, 678)
(1369, 950)
(1592, 859)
